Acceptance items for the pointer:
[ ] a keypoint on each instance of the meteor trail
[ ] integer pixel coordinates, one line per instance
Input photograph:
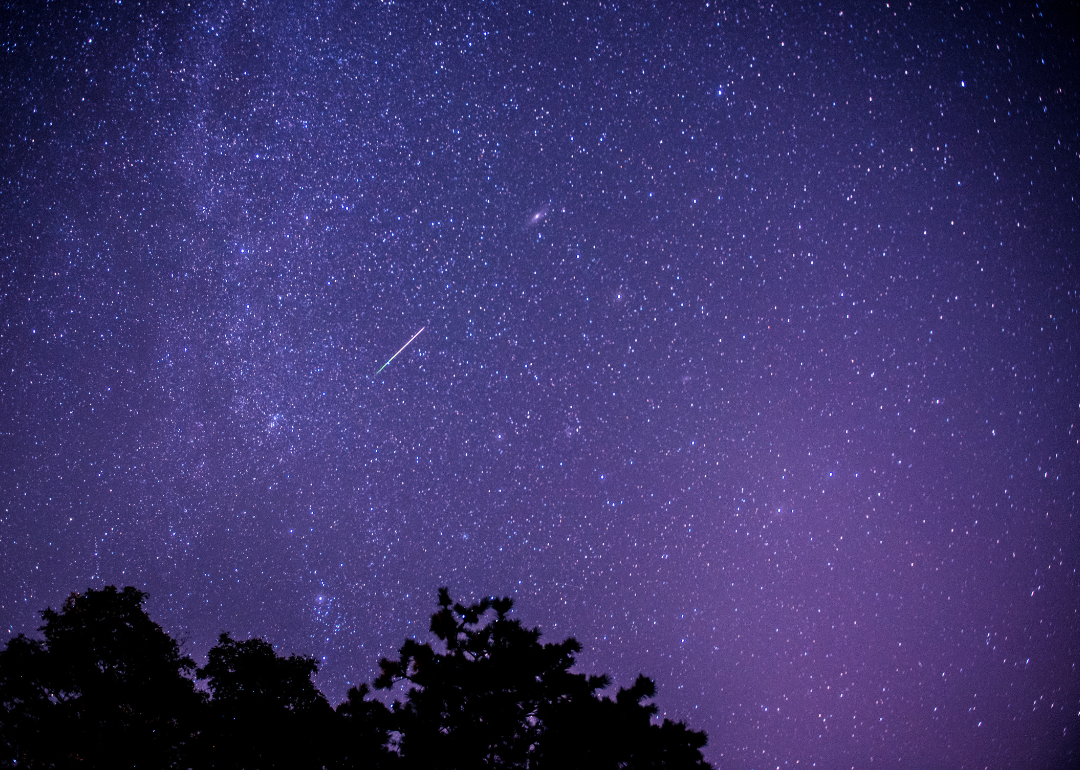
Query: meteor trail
(402, 348)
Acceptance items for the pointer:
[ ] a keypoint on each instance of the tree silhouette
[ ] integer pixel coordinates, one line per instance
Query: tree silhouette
(498, 698)
(265, 712)
(106, 688)
(619, 733)
(363, 733)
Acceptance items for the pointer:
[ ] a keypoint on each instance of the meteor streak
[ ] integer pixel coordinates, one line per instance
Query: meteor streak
(402, 348)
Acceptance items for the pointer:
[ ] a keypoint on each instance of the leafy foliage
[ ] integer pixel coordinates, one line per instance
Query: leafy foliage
(265, 712)
(107, 687)
(498, 698)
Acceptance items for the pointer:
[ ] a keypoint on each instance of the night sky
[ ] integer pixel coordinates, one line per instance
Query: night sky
(749, 352)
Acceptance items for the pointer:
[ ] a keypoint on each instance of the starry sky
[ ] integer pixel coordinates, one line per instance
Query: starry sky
(749, 351)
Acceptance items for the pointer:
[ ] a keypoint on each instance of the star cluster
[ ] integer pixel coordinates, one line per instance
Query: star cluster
(749, 352)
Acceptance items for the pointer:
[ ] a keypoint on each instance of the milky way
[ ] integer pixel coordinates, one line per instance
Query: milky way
(750, 355)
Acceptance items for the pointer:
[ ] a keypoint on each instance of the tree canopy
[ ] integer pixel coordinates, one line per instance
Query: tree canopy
(264, 710)
(107, 687)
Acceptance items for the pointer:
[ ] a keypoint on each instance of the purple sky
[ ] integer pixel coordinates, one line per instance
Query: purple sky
(750, 355)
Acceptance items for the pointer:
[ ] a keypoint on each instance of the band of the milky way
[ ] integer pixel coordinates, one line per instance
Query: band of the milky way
(749, 353)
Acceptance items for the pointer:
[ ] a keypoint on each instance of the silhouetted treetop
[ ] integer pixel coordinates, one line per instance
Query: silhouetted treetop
(498, 698)
(265, 712)
(104, 639)
(250, 675)
(107, 687)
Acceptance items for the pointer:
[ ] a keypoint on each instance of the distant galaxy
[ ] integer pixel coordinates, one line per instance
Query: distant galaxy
(538, 216)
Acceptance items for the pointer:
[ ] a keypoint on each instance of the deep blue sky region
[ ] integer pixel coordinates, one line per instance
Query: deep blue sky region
(750, 350)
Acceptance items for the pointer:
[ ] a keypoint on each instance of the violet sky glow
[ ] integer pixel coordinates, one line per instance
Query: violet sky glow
(750, 354)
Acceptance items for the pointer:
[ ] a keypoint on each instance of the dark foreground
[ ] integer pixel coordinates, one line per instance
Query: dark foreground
(107, 687)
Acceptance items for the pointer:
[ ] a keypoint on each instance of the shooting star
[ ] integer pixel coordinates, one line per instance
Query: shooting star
(402, 348)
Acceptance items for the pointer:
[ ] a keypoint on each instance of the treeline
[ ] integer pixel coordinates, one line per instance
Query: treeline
(108, 688)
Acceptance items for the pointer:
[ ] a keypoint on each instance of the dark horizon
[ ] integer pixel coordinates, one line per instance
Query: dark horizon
(108, 687)
(749, 351)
